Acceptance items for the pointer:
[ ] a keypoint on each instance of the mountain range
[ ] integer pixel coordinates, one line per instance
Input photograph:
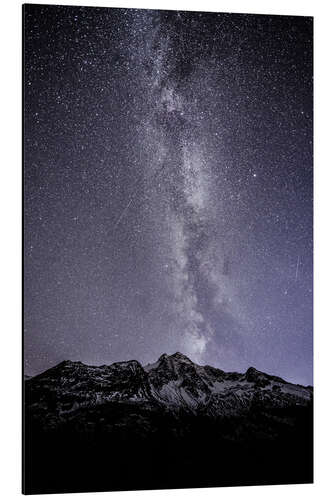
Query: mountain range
(172, 423)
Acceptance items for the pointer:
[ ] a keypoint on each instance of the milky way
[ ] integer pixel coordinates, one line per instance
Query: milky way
(168, 188)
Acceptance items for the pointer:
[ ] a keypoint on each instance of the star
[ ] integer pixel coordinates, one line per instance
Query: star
(142, 131)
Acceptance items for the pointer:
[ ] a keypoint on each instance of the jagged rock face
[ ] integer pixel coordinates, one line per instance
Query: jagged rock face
(126, 426)
(174, 383)
(72, 385)
(178, 382)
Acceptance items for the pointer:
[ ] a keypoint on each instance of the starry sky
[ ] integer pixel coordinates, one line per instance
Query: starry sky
(168, 188)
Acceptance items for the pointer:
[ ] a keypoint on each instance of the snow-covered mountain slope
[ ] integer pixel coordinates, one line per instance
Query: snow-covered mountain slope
(173, 383)
(179, 382)
(169, 424)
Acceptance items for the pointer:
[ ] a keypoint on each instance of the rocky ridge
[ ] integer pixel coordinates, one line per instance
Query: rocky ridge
(174, 383)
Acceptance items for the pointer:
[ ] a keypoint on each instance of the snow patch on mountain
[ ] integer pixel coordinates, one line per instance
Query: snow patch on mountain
(173, 382)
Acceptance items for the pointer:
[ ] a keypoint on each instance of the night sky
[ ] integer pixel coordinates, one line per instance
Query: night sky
(168, 188)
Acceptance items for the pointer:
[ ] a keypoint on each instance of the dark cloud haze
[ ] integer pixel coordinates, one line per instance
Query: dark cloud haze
(168, 188)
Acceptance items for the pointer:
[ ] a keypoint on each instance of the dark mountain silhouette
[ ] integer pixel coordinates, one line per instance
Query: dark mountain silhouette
(170, 424)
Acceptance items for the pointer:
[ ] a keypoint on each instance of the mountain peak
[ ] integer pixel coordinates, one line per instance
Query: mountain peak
(251, 369)
(174, 381)
(67, 363)
(254, 375)
(178, 356)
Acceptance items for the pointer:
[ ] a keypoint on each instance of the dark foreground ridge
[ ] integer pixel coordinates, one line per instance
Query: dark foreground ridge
(170, 424)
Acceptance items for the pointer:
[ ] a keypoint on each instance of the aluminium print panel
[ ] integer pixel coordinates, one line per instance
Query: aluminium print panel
(167, 249)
